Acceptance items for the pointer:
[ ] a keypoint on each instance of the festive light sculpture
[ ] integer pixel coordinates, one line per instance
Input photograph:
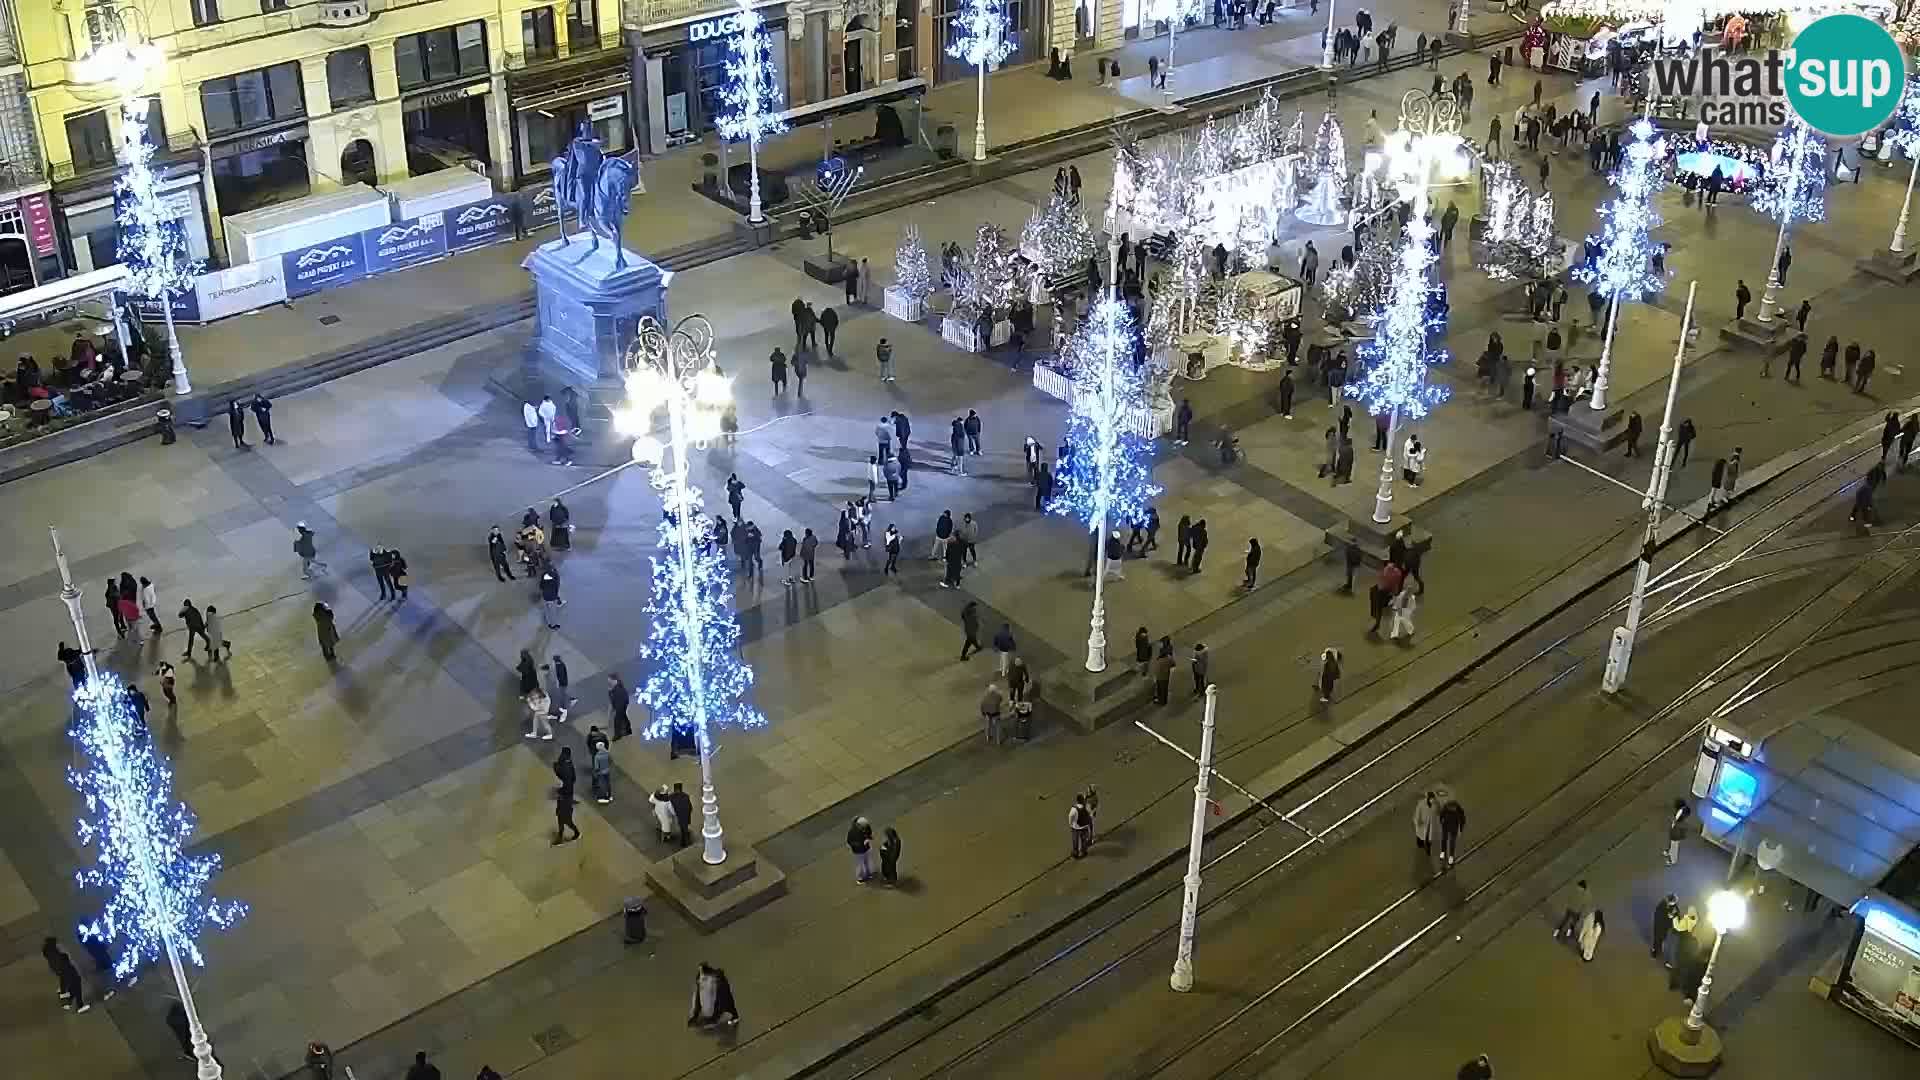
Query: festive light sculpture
(1327, 162)
(1795, 187)
(980, 38)
(1624, 271)
(1519, 241)
(1057, 238)
(1365, 286)
(911, 274)
(1107, 477)
(156, 895)
(151, 244)
(698, 681)
(992, 280)
(1395, 362)
(751, 97)
(1904, 134)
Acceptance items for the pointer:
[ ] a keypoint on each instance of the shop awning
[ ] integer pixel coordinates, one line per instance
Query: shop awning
(1842, 802)
(66, 292)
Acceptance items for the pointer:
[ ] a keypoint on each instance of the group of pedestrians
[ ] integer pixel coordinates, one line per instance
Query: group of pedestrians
(127, 600)
(557, 425)
(1396, 590)
(1012, 685)
(262, 410)
(1438, 822)
(860, 843)
(1156, 661)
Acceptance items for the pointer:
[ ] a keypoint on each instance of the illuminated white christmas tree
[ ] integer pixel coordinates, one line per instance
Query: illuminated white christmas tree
(150, 243)
(750, 98)
(1057, 238)
(1352, 291)
(1327, 165)
(1624, 271)
(1795, 185)
(911, 274)
(992, 280)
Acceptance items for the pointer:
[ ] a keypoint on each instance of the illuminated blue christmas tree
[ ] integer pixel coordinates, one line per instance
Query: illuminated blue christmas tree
(1795, 186)
(156, 894)
(1624, 272)
(1903, 131)
(751, 95)
(150, 243)
(1394, 382)
(980, 38)
(1107, 477)
(698, 681)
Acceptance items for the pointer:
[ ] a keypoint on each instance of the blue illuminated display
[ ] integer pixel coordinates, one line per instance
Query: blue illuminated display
(1735, 788)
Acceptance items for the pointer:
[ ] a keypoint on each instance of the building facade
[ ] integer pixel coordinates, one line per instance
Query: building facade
(260, 102)
(29, 248)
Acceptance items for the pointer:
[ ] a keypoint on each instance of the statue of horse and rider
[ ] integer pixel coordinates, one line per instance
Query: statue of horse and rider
(597, 189)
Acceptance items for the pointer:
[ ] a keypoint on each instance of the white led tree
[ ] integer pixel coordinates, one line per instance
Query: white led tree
(1366, 285)
(1327, 164)
(1057, 238)
(911, 274)
(1519, 241)
(980, 38)
(750, 97)
(150, 242)
(1795, 188)
(1394, 382)
(1624, 271)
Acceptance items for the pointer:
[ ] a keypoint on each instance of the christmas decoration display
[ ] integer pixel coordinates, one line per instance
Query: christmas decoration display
(156, 904)
(1352, 291)
(1624, 272)
(1795, 185)
(1295, 140)
(911, 274)
(991, 281)
(150, 242)
(1057, 239)
(1327, 165)
(1107, 478)
(750, 98)
(1742, 167)
(1519, 242)
(1394, 364)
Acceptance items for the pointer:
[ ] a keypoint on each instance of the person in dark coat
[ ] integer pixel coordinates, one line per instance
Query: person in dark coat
(682, 804)
(563, 806)
(324, 629)
(1828, 354)
(1199, 540)
(263, 415)
(890, 857)
(1683, 442)
(1183, 538)
(1634, 427)
(712, 999)
(237, 422)
(1453, 822)
(72, 992)
(829, 326)
(497, 555)
(619, 699)
(1253, 562)
(529, 674)
(561, 520)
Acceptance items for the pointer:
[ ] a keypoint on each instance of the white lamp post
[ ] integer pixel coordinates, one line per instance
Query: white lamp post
(750, 93)
(1326, 47)
(1182, 977)
(1789, 202)
(1727, 910)
(1620, 652)
(673, 369)
(1097, 625)
(148, 887)
(1899, 244)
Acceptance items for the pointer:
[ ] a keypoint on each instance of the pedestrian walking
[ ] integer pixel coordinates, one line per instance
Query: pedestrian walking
(1864, 372)
(113, 606)
(970, 627)
(1683, 441)
(1182, 422)
(563, 813)
(1785, 262)
(1003, 646)
(165, 674)
(1909, 431)
(600, 761)
(196, 625)
(1200, 662)
(1889, 431)
(1453, 822)
(1677, 828)
(1253, 564)
(304, 547)
(1353, 559)
(957, 444)
(663, 819)
(789, 549)
(891, 541)
(682, 804)
(1800, 316)
(1413, 460)
(1742, 296)
(150, 603)
(1079, 827)
(1578, 905)
(829, 327)
(1425, 812)
(712, 999)
(890, 470)
(1329, 673)
(102, 959)
(992, 702)
(1796, 351)
(1183, 538)
(530, 415)
(1404, 604)
(324, 630)
(777, 370)
(890, 856)
(1161, 671)
(237, 423)
(809, 548)
(973, 427)
(377, 561)
(1634, 427)
(883, 353)
(1587, 934)
(216, 636)
(548, 412)
(550, 602)
(1732, 479)
(1199, 540)
(1714, 484)
(619, 700)
(73, 994)
(860, 842)
(955, 553)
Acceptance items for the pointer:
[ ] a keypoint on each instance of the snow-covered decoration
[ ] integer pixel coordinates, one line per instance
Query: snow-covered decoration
(1519, 241)
(911, 274)
(1157, 192)
(1057, 239)
(1680, 19)
(752, 94)
(1295, 140)
(154, 894)
(150, 242)
(1351, 291)
(980, 34)
(1624, 271)
(992, 279)
(1795, 186)
(1107, 477)
(1395, 362)
(1326, 167)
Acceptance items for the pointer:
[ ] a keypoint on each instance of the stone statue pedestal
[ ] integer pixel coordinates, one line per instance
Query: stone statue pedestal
(587, 311)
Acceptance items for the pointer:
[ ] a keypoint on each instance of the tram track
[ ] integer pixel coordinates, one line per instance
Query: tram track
(952, 1034)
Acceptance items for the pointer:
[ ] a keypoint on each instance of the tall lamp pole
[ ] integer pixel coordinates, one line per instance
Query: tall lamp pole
(1899, 244)
(674, 368)
(1097, 626)
(1182, 977)
(1620, 652)
(1728, 911)
(981, 40)
(148, 887)
(1326, 45)
(1770, 299)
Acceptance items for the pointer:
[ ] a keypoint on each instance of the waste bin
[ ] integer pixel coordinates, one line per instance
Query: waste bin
(946, 142)
(634, 920)
(164, 418)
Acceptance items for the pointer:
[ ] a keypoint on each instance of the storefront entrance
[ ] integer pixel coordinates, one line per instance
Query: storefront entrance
(446, 130)
(250, 173)
(356, 164)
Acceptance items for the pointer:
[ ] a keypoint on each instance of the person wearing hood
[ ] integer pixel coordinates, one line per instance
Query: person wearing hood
(712, 999)
(1423, 822)
(325, 630)
(890, 857)
(1253, 563)
(560, 519)
(663, 816)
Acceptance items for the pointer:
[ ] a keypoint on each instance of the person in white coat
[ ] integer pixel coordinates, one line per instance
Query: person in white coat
(663, 815)
(1591, 928)
(1423, 814)
(530, 415)
(548, 410)
(1413, 459)
(1404, 604)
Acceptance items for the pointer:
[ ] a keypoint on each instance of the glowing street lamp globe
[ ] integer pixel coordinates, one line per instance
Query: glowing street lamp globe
(1727, 910)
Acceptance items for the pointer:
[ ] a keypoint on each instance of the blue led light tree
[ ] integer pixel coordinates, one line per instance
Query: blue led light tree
(1394, 382)
(1107, 477)
(156, 904)
(1904, 133)
(980, 38)
(698, 681)
(1795, 187)
(150, 243)
(1624, 271)
(751, 97)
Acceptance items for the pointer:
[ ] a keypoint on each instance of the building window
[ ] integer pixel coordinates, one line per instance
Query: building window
(273, 5)
(205, 12)
(349, 76)
(906, 33)
(89, 141)
(252, 98)
(583, 26)
(451, 52)
(536, 33)
(156, 123)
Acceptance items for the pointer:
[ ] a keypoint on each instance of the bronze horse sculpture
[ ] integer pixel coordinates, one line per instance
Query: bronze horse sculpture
(597, 189)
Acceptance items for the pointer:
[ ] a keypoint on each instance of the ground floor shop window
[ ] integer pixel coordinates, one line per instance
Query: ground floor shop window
(1025, 42)
(263, 177)
(447, 135)
(906, 34)
(545, 132)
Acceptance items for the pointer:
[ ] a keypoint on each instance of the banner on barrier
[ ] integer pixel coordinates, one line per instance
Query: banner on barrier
(477, 225)
(334, 262)
(186, 308)
(240, 288)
